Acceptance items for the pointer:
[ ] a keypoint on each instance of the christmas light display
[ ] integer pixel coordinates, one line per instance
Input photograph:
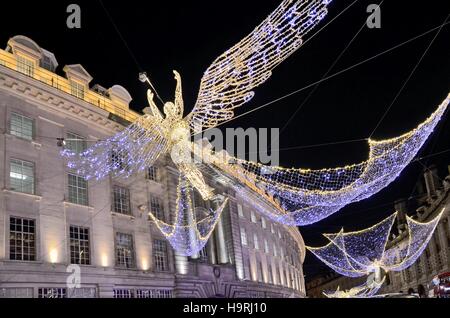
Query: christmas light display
(294, 196)
(191, 227)
(304, 196)
(366, 290)
(360, 253)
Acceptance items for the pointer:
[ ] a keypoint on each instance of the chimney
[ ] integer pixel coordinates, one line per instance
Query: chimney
(431, 181)
(401, 206)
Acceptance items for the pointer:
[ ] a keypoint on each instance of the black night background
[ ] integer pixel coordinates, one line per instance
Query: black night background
(118, 39)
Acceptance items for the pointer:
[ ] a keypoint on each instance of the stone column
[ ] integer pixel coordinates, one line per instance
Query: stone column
(220, 233)
(211, 250)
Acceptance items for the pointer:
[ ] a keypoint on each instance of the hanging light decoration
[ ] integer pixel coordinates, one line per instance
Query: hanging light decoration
(356, 254)
(366, 290)
(304, 196)
(298, 196)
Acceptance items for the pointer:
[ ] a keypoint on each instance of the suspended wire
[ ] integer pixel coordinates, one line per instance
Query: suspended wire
(327, 72)
(410, 76)
(133, 56)
(326, 78)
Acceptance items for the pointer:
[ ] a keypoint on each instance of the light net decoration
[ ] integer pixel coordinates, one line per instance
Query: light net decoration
(356, 254)
(304, 196)
(366, 290)
(191, 227)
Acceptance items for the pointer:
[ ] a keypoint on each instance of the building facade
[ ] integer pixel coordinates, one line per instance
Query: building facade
(64, 236)
(433, 196)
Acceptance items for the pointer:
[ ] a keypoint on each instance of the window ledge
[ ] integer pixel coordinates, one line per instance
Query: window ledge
(78, 205)
(34, 196)
(131, 217)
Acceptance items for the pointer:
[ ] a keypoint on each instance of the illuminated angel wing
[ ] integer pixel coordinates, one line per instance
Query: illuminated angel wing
(131, 150)
(229, 81)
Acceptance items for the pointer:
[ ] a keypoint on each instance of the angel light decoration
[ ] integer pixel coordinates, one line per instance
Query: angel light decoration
(297, 196)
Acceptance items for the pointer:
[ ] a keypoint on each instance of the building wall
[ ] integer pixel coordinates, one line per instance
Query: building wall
(55, 112)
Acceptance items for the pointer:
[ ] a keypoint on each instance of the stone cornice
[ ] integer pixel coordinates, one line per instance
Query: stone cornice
(45, 96)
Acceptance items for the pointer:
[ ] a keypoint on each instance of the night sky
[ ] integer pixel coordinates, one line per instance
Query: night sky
(189, 35)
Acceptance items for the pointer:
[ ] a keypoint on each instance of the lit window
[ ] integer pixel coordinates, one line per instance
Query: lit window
(160, 256)
(124, 250)
(25, 66)
(152, 174)
(266, 246)
(255, 241)
(75, 143)
(77, 89)
(274, 250)
(121, 200)
(79, 245)
(78, 190)
(154, 293)
(22, 239)
(272, 229)
(263, 222)
(157, 208)
(52, 293)
(260, 271)
(243, 237)
(21, 126)
(21, 176)
(123, 293)
(240, 211)
(253, 217)
(16, 292)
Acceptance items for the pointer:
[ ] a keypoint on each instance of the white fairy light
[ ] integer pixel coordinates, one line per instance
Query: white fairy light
(360, 253)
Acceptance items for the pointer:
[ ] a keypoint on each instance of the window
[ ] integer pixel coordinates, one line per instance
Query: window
(77, 89)
(160, 256)
(272, 229)
(274, 250)
(79, 245)
(78, 191)
(22, 239)
(84, 292)
(75, 143)
(124, 250)
(123, 293)
(21, 176)
(118, 160)
(21, 126)
(156, 207)
(16, 292)
(52, 293)
(154, 293)
(266, 246)
(260, 271)
(152, 174)
(25, 66)
(240, 211)
(279, 234)
(263, 223)
(255, 241)
(253, 217)
(243, 237)
(203, 254)
(269, 274)
(121, 200)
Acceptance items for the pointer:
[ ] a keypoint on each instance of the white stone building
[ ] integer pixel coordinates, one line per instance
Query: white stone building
(51, 219)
